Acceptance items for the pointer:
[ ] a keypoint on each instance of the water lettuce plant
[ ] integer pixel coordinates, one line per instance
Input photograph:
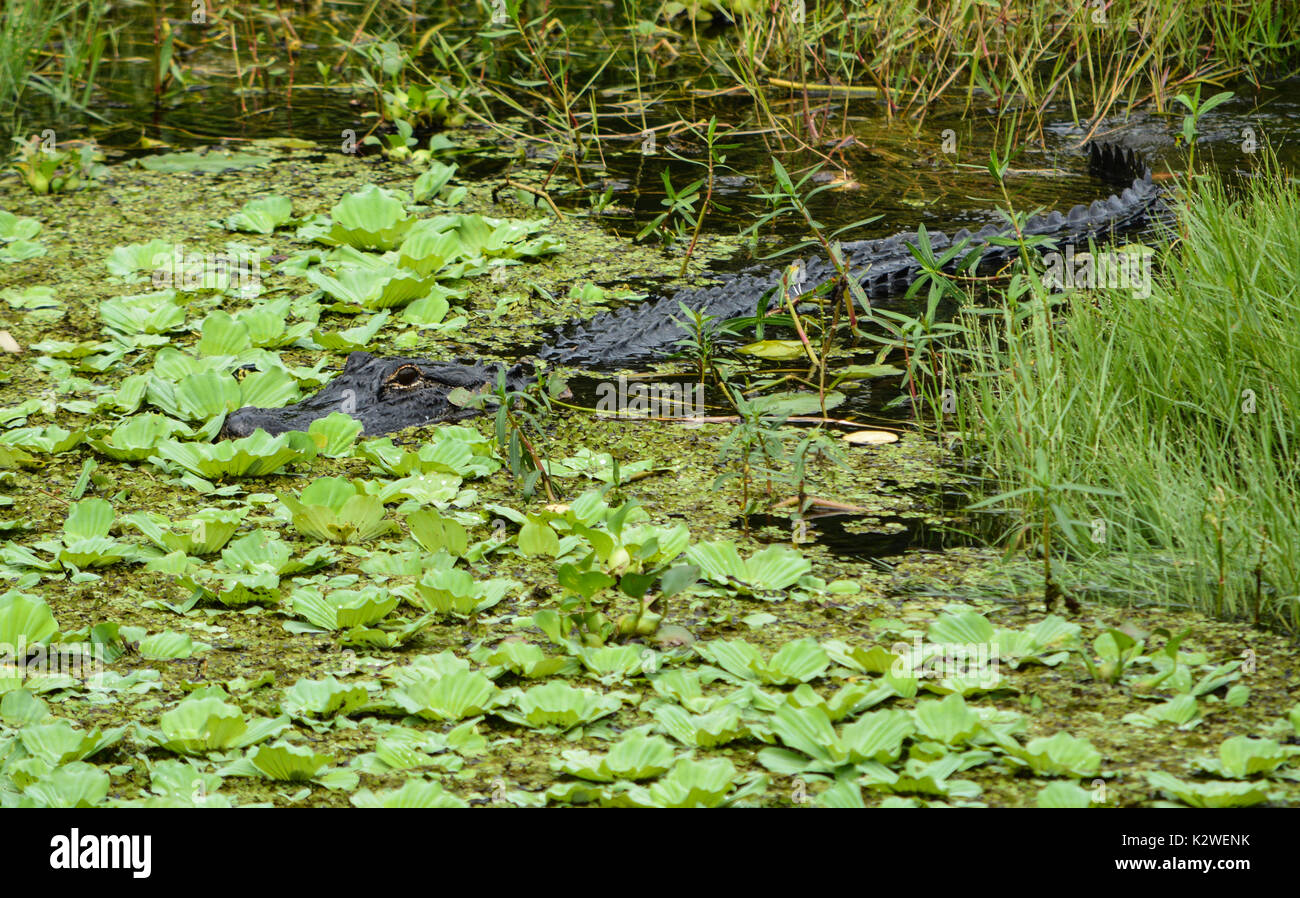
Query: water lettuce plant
(336, 510)
(136, 438)
(286, 762)
(1208, 795)
(813, 744)
(371, 218)
(416, 793)
(312, 701)
(262, 216)
(769, 570)
(253, 456)
(556, 704)
(797, 661)
(453, 695)
(342, 609)
(85, 542)
(200, 725)
(637, 756)
(203, 533)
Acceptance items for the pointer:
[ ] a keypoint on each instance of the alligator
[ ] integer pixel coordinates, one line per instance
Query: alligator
(391, 394)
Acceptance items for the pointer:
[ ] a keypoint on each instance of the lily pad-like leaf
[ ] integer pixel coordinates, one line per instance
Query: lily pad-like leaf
(453, 591)
(1064, 795)
(203, 533)
(436, 533)
(262, 552)
(167, 646)
(528, 660)
(334, 510)
(338, 432)
(312, 700)
(450, 450)
(559, 705)
(616, 662)
(690, 784)
(1241, 757)
(373, 288)
(262, 216)
(127, 261)
(797, 661)
(350, 339)
(252, 456)
(451, 696)
(634, 757)
(948, 721)
(1058, 755)
(74, 785)
(199, 725)
(136, 438)
(772, 569)
(1208, 795)
(371, 218)
(288, 763)
(417, 793)
(709, 730)
(25, 620)
(145, 313)
(207, 160)
(342, 609)
(59, 742)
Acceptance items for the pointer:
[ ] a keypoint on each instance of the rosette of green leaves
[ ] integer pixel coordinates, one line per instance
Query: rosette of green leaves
(446, 694)
(200, 725)
(336, 510)
(456, 592)
(797, 661)
(557, 705)
(416, 793)
(253, 456)
(143, 313)
(202, 533)
(316, 700)
(262, 215)
(342, 609)
(373, 287)
(85, 541)
(371, 218)
(204, 395)
(769, 570)
(289, 763)
(450, 450)
(813, 744)
(136, 438)
(25, 620)
(637, 756)
(1208, 795)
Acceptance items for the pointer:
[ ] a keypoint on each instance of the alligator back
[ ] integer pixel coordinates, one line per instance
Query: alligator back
(884, 267)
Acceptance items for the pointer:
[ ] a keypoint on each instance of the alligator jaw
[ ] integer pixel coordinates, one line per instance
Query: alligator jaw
(384, 394)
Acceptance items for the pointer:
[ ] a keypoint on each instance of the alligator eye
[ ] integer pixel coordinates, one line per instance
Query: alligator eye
(405, 376)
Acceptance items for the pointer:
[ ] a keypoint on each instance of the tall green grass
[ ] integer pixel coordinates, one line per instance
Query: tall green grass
(1157, 438)
(52, 48)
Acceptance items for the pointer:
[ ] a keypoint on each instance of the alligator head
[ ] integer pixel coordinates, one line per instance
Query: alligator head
(384, 394)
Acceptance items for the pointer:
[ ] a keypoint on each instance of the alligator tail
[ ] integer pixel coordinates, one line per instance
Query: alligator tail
(883, 268)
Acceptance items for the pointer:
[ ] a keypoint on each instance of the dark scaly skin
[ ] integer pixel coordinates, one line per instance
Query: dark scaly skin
(883, 267)
(391, 394)
(384, 394)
